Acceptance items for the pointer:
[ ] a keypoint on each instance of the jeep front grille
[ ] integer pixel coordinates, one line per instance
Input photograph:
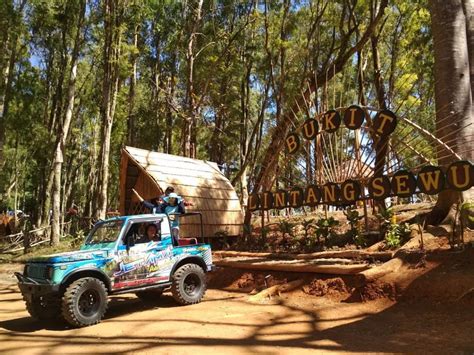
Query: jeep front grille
(37, 271)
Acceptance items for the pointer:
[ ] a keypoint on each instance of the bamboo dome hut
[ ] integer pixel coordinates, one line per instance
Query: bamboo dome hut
(199, 182)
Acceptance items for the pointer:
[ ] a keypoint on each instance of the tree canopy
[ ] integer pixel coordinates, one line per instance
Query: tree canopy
(218, 80)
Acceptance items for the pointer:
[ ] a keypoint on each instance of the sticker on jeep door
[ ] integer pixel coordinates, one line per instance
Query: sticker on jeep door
(143, 264)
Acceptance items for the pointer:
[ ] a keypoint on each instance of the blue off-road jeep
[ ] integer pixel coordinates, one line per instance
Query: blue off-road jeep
(117, 257)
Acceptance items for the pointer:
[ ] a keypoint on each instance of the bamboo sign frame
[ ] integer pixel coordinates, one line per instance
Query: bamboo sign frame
(430, 179)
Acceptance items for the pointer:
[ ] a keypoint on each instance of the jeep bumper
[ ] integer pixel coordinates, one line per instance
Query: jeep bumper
(211, 268)
(30, 287)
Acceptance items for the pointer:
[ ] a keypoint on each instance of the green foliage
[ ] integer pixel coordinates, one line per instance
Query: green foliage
(262, 242)
(251, 60)
(386, 219)
(286, 227)
(396, 235)
(325, 228)
(353, 218)
(309, 240)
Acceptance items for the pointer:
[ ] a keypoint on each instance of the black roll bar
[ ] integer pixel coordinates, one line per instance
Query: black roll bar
(191, 214)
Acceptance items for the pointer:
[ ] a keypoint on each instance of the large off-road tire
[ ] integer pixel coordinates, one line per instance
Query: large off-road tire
(189, 284)
(84, 302)
(44, 307)
(150, 295)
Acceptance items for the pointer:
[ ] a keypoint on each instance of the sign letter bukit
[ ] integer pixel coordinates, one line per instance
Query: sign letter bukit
(429, 180)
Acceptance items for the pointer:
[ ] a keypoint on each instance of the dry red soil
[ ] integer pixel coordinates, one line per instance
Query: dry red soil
(429, 310)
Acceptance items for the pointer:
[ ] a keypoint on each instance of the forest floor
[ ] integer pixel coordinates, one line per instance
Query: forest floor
(427, 309)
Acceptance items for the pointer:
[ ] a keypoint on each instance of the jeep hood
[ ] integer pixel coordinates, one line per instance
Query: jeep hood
(71, 256)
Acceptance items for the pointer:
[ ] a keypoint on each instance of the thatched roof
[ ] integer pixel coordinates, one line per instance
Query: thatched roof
(199, 182)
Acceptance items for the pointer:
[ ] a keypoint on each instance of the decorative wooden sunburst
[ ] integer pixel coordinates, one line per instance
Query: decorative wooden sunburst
(343, 144)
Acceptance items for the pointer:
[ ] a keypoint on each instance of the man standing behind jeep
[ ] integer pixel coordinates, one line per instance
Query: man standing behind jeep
(172, 205)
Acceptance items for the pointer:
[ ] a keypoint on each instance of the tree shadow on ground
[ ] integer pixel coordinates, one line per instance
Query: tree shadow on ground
(414, 324)
(118, 306)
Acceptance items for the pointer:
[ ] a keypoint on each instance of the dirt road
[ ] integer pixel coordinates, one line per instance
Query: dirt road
(227, 323)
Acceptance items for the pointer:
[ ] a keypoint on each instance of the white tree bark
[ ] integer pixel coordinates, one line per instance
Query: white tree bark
(63, 134)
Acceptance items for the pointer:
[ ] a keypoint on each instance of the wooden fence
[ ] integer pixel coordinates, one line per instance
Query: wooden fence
(29, 239)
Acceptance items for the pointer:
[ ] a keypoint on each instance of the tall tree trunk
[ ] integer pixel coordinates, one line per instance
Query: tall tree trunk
(92, 179)
(168, 141)
(189, 148)
(468, 7)
(453, 93)
(5, 89)
(63, 133)
(113, 13)
(8, 58)
(131, 93)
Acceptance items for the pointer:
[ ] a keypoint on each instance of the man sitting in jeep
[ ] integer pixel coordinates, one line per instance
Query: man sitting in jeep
(151, 234)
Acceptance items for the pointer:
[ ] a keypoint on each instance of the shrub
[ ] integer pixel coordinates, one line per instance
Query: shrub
(397, 235)
(353, 218)
(325, 228)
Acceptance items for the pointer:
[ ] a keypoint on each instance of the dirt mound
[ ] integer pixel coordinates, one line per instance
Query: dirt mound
(333, 288)
(450, 279)
(441, 277)
(338, 289)
(245, 281)
(376, 290)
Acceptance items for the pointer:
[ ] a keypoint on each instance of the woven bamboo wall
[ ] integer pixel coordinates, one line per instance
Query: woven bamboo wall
(199, 182)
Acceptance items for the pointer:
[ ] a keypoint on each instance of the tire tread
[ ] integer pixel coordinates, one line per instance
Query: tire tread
(178, 276)
(68, 302)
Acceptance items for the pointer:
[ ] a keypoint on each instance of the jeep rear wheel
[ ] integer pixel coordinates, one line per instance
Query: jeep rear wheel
(150, 295)
(43, 307)
(189, 284)
(84, 302)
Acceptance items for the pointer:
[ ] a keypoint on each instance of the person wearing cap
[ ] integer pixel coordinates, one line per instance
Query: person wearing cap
(168, 191)
(172, 205)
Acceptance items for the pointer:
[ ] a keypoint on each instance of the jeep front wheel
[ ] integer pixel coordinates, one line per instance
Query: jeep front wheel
(189, 284)
(43, 307)
(84, 302)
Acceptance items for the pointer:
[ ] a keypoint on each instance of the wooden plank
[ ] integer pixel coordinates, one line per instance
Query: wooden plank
(348, 254)
(295, 267)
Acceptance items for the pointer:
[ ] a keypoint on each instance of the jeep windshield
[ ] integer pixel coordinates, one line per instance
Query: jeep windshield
(106, 232)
